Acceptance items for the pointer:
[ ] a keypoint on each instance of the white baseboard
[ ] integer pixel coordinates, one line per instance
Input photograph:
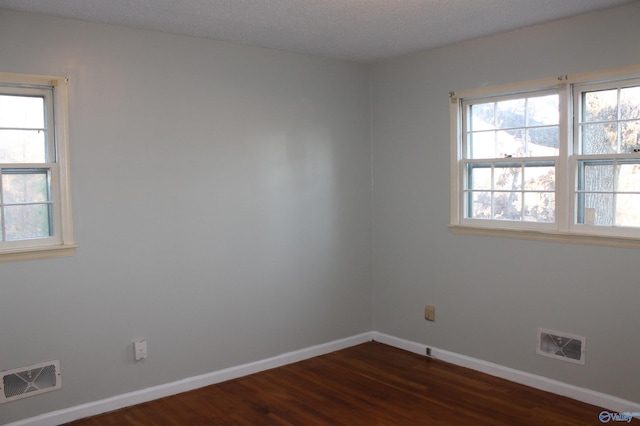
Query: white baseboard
(144, 395)
(588, 396)
(599, 399)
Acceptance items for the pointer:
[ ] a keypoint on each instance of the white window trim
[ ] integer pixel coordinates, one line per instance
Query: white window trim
(64, 245)
(564, 230)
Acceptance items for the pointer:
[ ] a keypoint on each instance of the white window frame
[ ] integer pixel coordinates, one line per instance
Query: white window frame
(564, 229)
(61, 243)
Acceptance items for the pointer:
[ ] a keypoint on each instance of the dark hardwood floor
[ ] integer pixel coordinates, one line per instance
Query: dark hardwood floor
(369, 384)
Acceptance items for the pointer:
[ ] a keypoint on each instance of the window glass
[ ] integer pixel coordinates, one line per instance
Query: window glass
(563, 159)
(35, 209)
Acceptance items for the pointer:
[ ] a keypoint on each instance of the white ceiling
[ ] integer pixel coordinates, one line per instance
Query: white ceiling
(358, 30)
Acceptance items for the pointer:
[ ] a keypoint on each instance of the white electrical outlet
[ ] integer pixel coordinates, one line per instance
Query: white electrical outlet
(140, 349)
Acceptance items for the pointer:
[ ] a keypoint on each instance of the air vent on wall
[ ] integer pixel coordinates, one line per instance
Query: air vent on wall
(29, 381)
(562, 346)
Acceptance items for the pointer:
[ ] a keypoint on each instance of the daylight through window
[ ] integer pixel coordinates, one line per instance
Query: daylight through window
(35, 214)
(557, 156)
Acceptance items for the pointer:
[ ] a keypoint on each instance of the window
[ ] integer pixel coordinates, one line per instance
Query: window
(608, 164)
(511, 152)
(35, 210)
(554, 159)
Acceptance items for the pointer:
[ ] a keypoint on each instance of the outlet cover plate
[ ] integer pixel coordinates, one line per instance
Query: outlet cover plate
(430, 313)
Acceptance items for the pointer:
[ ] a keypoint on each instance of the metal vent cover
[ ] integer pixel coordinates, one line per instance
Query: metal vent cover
(562, 346)
(29, 381)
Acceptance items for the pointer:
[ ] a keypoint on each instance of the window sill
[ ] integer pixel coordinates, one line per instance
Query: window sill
(554, 236)
(34, 253)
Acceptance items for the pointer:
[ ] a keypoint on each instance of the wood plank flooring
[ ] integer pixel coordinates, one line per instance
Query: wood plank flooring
(369, 384)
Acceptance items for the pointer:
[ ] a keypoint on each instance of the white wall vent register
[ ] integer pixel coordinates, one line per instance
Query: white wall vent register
(562, 346)
(29, 381)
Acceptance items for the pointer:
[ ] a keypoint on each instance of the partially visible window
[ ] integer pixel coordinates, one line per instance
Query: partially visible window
(559, 157)
(607, 147)
(35, 210)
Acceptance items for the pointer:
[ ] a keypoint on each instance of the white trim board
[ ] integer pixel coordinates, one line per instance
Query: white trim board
(148, 394)
(117, 402)
(588, 396)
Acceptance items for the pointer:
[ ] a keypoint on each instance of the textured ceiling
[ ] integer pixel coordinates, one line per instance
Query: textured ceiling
(359, 30)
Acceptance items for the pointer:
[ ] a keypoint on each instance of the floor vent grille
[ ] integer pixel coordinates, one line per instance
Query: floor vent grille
(562, 346)
(29, 381)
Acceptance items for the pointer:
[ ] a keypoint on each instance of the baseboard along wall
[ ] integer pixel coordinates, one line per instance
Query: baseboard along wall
(148, 394)
(588, 396)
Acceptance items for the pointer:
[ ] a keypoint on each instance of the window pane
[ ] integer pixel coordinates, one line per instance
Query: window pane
(510, 143)
(628, 209)
(26, 222)
(482, 145)
(630, 103)
(482, 117)
(22, 146)
(24, 112)
(480, 205)
(508, 178)
(629, 136)
(539, 207)
(629, 178)
(599, 207)
(600, 138)
(543, 141)
(507, 206)
(25, 188)
(600, 106)
(540, 178)
(543, 110)
(479, 177)
(524, 127)
(597, 177)
(510, 113)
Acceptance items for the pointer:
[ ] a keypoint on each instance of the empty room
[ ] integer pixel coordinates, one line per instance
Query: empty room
(199, 192)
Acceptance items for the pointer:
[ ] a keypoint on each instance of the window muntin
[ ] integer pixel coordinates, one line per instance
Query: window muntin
(26, 125)
(35, 209)
(609, 119)
(608, 192)
(511, 145)
(608, 164)
(523, 191)
(26, 209)
(27, 140)
(508, 178)
(525, 126)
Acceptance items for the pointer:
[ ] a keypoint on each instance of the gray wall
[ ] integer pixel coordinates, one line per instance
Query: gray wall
(222, 205)
(222, 200)
(492, 294)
